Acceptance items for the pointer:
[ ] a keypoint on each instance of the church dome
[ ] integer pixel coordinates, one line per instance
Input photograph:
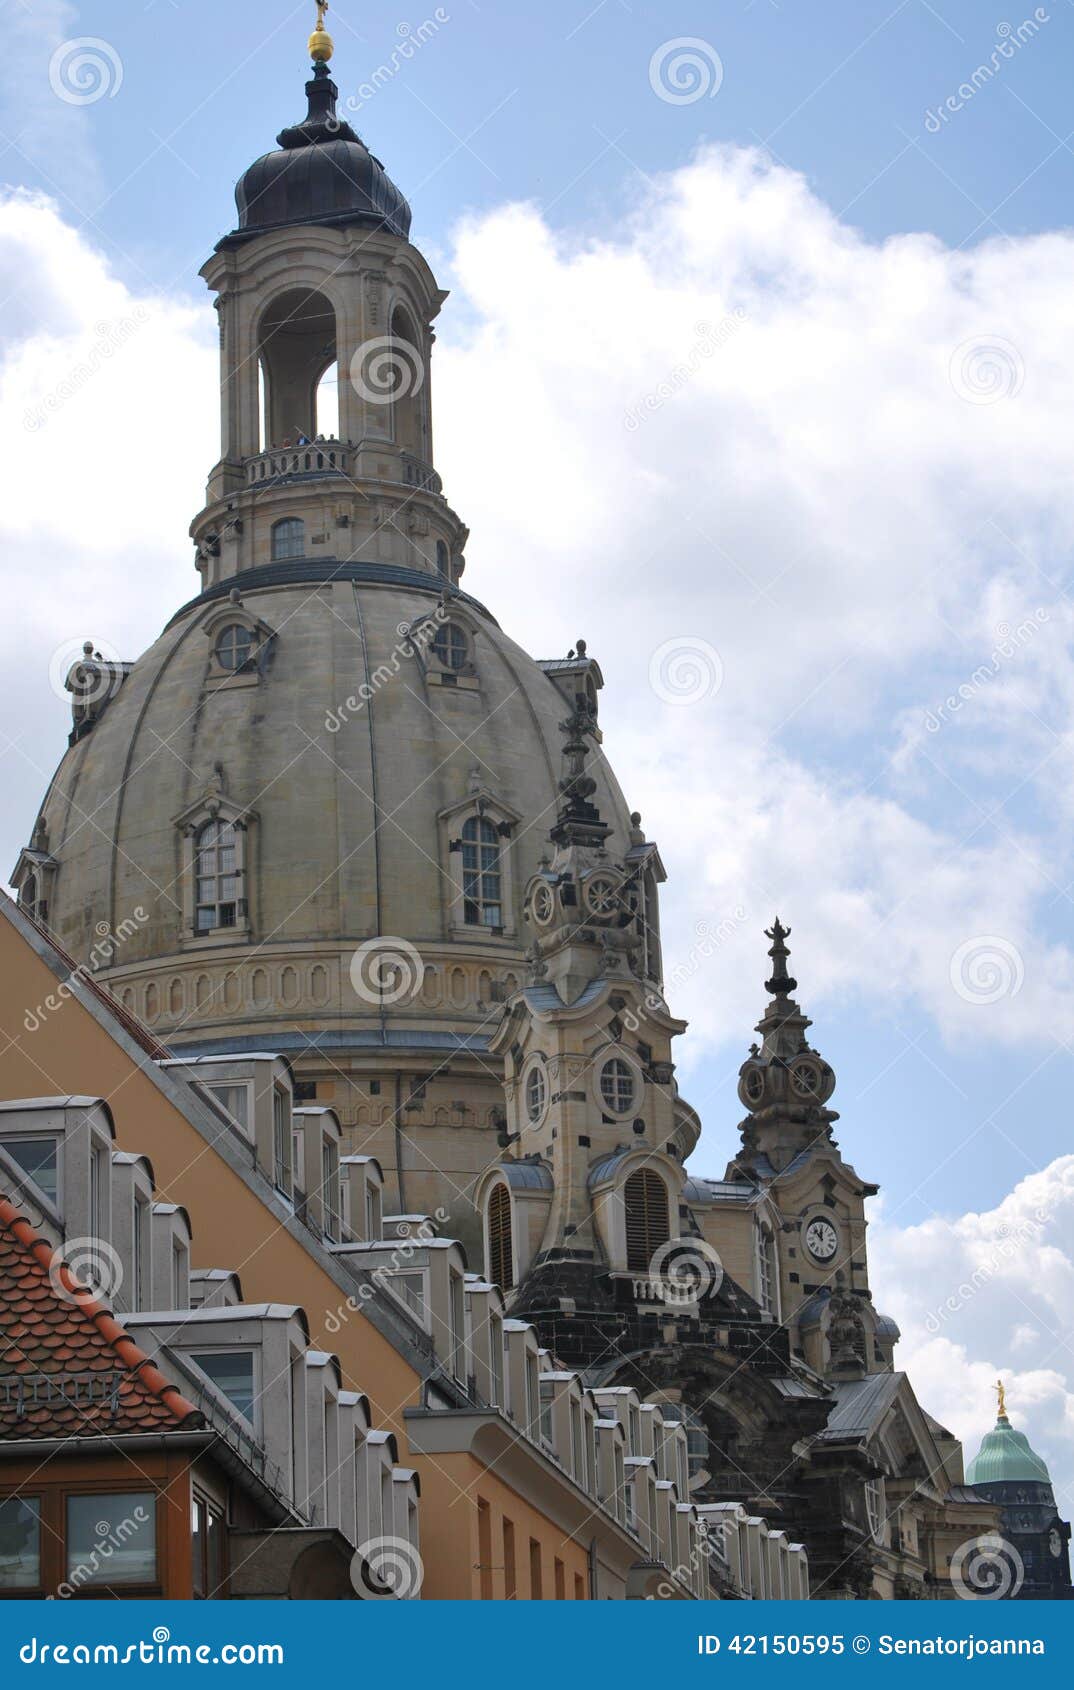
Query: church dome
(1005, 1456)
(351, 760)
(320, 173)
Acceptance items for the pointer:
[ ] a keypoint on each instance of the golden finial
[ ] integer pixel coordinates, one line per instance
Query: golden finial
(321, 44)
(1001, 1398)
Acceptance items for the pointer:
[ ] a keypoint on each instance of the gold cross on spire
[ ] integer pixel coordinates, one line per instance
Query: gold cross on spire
(321, 44)
(1001, 1398)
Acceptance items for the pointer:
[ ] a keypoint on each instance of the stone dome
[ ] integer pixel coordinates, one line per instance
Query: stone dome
(350, 765)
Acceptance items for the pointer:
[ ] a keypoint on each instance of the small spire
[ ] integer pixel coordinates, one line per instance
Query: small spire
(1001, 1399)
(321, 45)
(579, 821)
(781, 984)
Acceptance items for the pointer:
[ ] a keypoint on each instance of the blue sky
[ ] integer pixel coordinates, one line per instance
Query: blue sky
(504, 101)
(855, 208)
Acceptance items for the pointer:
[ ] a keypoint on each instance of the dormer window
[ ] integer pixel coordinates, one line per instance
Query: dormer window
(38, 1157)
(235, 645)
(482, 880)
(217, 881)
(288, 539)
(451, 646)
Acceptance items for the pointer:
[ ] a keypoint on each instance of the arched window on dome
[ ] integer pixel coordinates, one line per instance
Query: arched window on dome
(478, 880)
(482, 878)
(288, 539)
(443, 559)
(216, 867)
(499, 1250)
(645, 1200)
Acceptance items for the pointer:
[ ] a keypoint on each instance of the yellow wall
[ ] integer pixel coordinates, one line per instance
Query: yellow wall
(451, 1490)
(72, 1054)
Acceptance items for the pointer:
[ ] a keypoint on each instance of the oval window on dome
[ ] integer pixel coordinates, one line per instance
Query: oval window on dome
(618, 1086)
(235, 645)
(535, 1094)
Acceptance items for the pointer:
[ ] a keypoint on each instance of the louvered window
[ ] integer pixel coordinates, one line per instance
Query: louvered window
(647, 1226)
(501, 1262)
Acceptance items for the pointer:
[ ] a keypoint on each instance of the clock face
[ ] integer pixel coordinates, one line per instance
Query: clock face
(1055, 1543)
(805, 1080)
(822, 1240)
(543, 905)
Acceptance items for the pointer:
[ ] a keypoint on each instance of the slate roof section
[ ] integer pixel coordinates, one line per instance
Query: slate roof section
(860, 1405)
(67, 1367)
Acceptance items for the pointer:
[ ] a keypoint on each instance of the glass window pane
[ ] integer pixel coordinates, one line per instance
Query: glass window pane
(112, 1539)
(37, 1157)
(232, 1371)
(197, 1547)
(20, 1543)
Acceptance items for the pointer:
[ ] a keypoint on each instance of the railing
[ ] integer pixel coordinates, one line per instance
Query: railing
(329, 457)
(319, 457)
(421, 475)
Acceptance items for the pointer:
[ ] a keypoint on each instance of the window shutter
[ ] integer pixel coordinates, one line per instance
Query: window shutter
(647, 1226)
(501, 1264)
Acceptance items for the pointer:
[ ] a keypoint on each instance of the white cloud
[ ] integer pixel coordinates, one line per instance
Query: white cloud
(984, 1296)
(740, 423)
(107, 421)
(735, 423)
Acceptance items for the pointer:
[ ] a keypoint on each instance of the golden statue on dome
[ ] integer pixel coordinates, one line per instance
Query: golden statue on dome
(1001, 1398)
(321, 45)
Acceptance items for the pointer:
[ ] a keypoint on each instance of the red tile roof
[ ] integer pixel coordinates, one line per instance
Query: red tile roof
(67, 1367)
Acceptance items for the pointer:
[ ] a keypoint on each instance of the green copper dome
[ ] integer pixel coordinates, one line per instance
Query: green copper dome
(1005, 1456)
